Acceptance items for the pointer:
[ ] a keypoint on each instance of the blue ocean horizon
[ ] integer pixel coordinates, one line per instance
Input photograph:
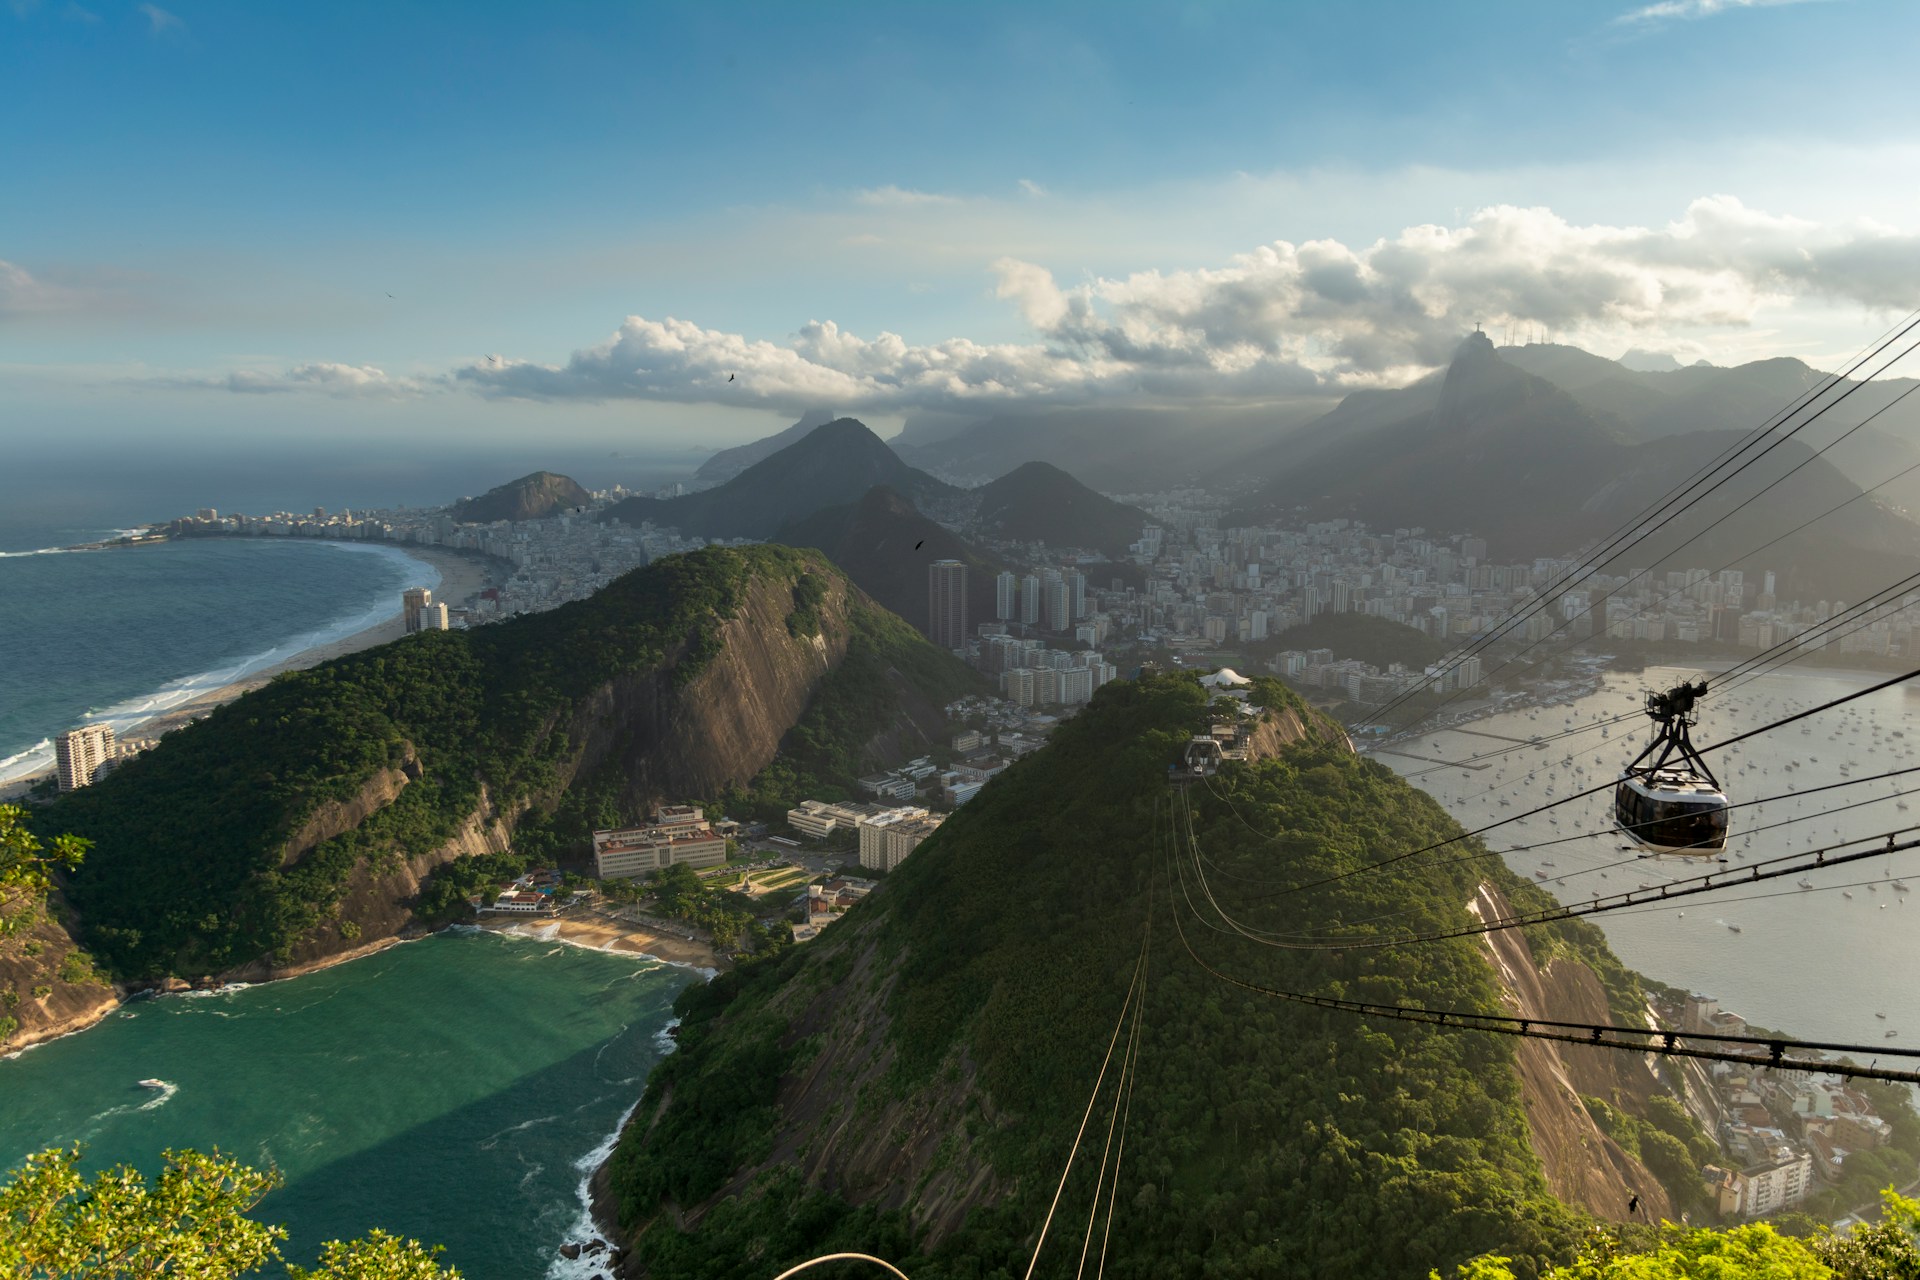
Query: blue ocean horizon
(121, 634)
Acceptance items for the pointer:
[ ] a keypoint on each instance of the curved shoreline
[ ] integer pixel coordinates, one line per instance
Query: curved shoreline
(461, 576)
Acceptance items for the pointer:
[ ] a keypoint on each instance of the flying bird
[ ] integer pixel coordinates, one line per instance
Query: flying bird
(389, 295)
(1633, 1205)
(729, 377)
(920, 544)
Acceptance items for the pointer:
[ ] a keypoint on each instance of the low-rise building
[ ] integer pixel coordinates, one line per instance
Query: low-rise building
(677, 833)
(818, 819)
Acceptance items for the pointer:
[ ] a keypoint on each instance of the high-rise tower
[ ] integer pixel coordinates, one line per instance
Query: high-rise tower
(947, 604)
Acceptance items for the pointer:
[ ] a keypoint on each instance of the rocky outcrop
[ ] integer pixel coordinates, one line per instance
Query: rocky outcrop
(1583, 1165)
(531, 497)
(47, 986)
(669, 738)
(337, 817)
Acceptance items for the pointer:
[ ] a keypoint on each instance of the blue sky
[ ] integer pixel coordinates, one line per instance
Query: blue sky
(207, 205)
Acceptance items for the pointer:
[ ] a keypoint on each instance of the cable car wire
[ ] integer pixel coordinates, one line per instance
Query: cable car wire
(1543, 599)
(1594, 790)
(1656, 516)
(1767, 1052)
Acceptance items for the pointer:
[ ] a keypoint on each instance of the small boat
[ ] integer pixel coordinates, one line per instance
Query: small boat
(1892, 1034)
(1899, 886)
(1881, 1016)
(1804, 883)
(152, 1084)
(1734, 927)
(1846, 893)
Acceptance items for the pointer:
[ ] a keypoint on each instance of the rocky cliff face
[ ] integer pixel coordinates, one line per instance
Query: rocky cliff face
(47, 988)
(1583, 1165)
(669, 741)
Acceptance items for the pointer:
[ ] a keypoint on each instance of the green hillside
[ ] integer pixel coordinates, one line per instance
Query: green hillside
(190, 872)
(910, 1083)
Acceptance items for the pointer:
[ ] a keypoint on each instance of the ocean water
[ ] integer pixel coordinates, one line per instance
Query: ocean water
(120, 634)
(1818, 962)
(456, 1090)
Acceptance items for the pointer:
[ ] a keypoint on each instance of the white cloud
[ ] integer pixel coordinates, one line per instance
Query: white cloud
(900, 197)
(1281, 319)
(24, 294)
(159, 21)
(1689, 10)
(1032, 188)
(342, 381)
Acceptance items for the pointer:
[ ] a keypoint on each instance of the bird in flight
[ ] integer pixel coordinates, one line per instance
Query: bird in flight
(1633, 1205)
(729, 377)
(920, 544)
(389, 295)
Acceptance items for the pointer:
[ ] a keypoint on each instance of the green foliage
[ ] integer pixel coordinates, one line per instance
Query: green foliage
(27, 865)
(809, 592)
(190, 1222)
(1752, 1252)
(1362, 636)
(196, 868)
(1265, 1138)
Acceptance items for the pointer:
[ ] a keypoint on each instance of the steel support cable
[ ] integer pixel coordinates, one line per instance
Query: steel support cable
(1603, 1035)
(1542, 600)
(1122, 1090)
(1712, 882)
(1611, 549)
(1770, 658)
(1590, 562)
(1132, 1077)
(1805, 650)
(1577, 795)
(1624, 862)
(1073, 1152)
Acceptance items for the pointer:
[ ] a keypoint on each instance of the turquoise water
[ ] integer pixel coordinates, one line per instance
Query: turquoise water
(450, 1090)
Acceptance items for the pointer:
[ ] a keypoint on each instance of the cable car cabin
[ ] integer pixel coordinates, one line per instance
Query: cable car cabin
(1201, 759)
(1673, 804)
(1671, 811)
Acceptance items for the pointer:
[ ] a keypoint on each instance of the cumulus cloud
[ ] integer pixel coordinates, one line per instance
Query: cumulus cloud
(1282, 319)
(342, 381)
(1683, 10)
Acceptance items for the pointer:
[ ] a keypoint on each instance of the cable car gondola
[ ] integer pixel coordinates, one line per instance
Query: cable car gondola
(1201, 759)
(1674, 804)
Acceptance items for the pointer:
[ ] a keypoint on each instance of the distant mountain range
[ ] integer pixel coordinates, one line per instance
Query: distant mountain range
(530, 497)
(1540, 467)
(1038, 502)
(832, 465)
(728, 463)
(884, 544)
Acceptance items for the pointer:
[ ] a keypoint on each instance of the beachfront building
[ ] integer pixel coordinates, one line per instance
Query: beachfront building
(80, 753)
(887, 838)
(677, 833)
(413, 603)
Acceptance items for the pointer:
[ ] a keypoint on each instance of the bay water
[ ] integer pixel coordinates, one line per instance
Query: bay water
(1821, 962)
(456, 1090)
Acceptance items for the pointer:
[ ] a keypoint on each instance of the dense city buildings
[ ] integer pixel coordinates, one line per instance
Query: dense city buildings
(80, 754)
(887, 838)
(947, 604)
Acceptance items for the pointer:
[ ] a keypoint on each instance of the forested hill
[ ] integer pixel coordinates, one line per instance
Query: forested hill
(910, 1084)
(531, 497)
(302, 820)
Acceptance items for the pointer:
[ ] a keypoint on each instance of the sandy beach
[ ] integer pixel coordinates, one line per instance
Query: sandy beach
(463, 576)
(609, 933)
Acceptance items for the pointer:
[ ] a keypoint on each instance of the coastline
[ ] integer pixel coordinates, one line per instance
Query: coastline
(463, 575)
(597, 932)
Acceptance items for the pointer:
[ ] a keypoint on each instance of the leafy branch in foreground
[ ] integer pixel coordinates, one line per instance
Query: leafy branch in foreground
(190, 1222)
(27, 867)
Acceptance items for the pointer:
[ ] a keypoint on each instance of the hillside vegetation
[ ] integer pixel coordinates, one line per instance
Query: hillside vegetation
(336, 789)
(531, 497)
(911, 1083)
(1359, 635)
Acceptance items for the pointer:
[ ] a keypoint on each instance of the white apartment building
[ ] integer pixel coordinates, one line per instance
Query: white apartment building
(818, 819)
(79, 753)
(887, 838)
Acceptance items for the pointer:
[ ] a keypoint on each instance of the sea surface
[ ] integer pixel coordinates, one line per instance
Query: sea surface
(456, 1090)
(120, 634)
(1818, 962)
